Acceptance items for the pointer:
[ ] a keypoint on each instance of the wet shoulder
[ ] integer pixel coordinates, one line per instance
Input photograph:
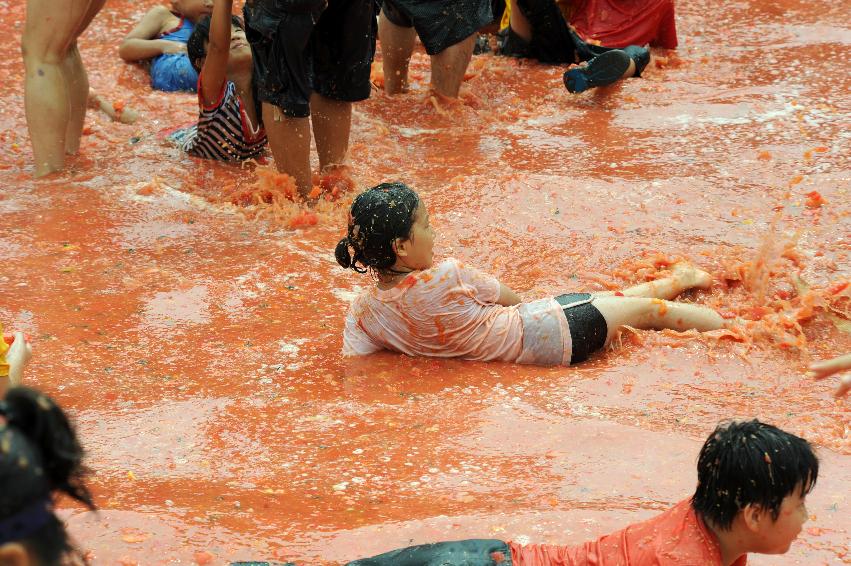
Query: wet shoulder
(441, 275)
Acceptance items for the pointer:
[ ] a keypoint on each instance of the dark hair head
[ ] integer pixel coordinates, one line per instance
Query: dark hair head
(39, 455)
(196, 47)
(378, 217)
(750, 463)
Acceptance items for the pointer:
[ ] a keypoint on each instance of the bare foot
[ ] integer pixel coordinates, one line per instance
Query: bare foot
(18, 357)
(691, 276)
(118, 111)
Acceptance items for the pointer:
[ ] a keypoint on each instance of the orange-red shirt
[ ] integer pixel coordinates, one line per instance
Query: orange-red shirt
(677, 537)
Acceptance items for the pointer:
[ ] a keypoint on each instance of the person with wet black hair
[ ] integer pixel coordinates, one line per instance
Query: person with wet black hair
(450, 310)
(40, 456)
(753, 479)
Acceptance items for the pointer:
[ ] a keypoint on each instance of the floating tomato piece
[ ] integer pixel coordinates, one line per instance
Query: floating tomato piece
(814, 200)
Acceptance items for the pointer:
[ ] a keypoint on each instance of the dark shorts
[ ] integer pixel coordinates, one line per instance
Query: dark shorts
(588, 328)
(554, 42)
(474, 552)
(305, 46)
(439, 23)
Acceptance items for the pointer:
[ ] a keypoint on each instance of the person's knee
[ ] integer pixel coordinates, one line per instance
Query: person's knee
(37, 50)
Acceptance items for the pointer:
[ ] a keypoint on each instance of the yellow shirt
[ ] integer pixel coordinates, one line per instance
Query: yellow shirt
(4, 367)
(564, 5)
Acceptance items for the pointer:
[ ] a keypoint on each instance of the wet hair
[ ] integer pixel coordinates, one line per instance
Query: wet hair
(39, 455)
(378, 217)
(750, 463)
(196, 48)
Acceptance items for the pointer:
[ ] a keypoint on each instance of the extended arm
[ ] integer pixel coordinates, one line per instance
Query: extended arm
(214, 71)
(141, 42)
(826, 368)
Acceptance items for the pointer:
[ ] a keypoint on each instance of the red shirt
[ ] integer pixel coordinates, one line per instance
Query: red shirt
(674, 538)
(618, 23)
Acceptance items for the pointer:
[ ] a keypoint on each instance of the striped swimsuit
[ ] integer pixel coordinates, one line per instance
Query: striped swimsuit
(224, 131)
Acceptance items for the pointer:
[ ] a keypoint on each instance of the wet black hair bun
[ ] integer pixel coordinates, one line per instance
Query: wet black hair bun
(341, 252)
(379, 216)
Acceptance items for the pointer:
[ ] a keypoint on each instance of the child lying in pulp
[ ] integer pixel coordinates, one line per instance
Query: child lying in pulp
(450, 310)
(228, 127)
(161, 37)
(752, 482)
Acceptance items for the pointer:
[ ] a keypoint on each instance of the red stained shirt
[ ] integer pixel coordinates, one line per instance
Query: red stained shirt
(674, 538)
(618, 23)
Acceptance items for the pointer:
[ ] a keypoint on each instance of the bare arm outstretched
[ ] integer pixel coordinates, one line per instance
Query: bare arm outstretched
(142, 42)
(826, 368)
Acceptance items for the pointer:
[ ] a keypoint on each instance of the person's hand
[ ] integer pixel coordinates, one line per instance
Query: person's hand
(18, 356)
(169, 47)
(826, 368)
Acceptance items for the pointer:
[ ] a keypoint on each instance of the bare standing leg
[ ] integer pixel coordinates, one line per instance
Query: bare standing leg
(448, 67)
(397, 45)
(77, 87)
(332, 123)
(77, 82)
(51, 30)
(289, 140)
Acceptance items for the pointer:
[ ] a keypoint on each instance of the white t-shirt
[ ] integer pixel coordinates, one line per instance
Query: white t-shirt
(450, 311)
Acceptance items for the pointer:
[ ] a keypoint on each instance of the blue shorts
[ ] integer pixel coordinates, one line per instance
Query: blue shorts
(173, 72)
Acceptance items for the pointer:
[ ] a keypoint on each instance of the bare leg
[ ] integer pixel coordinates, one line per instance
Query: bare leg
(640, 312)
(397, 45)
(685, 277)
(77, 82)
(289, 140)
(77, 87)
(630, 71)
(520, 23)
(51, 29)
(332, 122)
(448, 67)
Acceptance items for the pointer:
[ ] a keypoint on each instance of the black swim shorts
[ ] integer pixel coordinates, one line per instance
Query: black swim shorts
(305, 46)
(588, 328)
(439, 23)
(474, 552)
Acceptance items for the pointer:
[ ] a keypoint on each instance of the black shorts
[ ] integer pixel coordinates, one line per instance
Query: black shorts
(553, 41)
(439, 23)
(474, 552)
(588, 328)
(305, 46)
